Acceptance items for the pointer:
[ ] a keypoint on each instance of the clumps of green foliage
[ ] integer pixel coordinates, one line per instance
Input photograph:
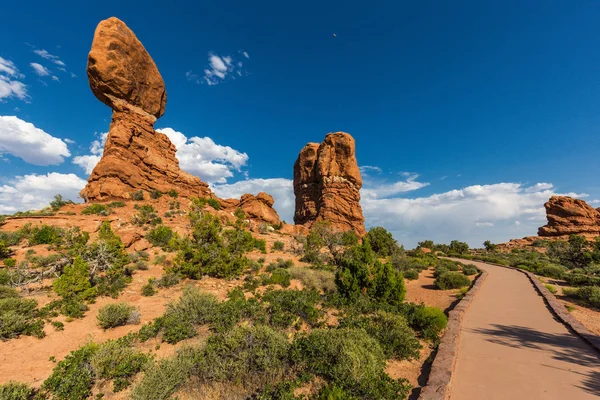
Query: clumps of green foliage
(116, 204)
(239, 214)
(113, 315)
(321, 235)
(213, 251)
(382, 242)
(315, 279)
(16, 391)
(156, 194)
(292, 307)
(551, 288)
(138, 195)
(587, 295)
(59, 202)
(428, 321)
(396, 338)
(74, 282)
(470, 269)
(279, 276)
(278, 246)
(280, 264)
(73, 377)
(202, 201)
(146, 215)
(116, 360)
(9, 262)
(45, 234)
(411, 274)
(360, 274)
(97, 209)
(163, 236)
(173, 193)
(451, 280)
(148, 289)
(18, 316)
(351, 360)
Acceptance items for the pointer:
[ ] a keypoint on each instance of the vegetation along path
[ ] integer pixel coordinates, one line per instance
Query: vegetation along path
(512, 347)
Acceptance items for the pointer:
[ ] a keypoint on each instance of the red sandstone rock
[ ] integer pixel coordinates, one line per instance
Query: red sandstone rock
(122, 74)
(257, 208)
(327, 184)
(568, 216)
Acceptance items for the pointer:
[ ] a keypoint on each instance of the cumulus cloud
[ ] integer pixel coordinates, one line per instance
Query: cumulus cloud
(201, 156)
(89, 161)
(33, 192)
(281, 189)
(39, 69)
(10, 86)
(374, 189)
(22, 139)
(497, 212)
(219, 69)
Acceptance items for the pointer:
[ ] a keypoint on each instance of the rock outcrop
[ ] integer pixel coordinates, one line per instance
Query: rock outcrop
(327, 184)
(258, 208)
(567, 216)
(123, 76)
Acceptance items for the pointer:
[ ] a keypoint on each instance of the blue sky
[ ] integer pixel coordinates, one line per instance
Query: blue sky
(471, 113)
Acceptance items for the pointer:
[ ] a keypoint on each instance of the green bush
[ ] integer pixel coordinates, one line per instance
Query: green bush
(156, 194)
(349, 359)
(138, 195)
(411, 274)
(470, 269)
(280, 263)
(19, 317)
(173, 193)
(551, 271)
(146, 215)
(279, 276)
(117, 361)
(168, 280)
(148, 289)
(116, 204)
(74, 281)
(73, 378)
(576, 279)
(244, 354)
(59, 202)
(451, 280)
(396, 338)
(118, 314)
(429, 321)
(163, 379)
(588, 295)
(319, 280)
(278, 246)
(45, 234)
(382, 242)
(10, 262)
(98, 209)
(285, 307)
(16, 391)
(161, 236)
(551, 288)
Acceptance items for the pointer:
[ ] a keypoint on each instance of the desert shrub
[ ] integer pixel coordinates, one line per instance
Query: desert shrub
(146, 215)
(19, 316)
(116, 204)
(16, 391)
(411, 274)
(239, 213)
(141, 265)
(278, 246)
(451, 280)
(360, 274)
(7, 292)
(396, 338)
(59, 202)
(382, 242)
(161, 236)
(429, 321)
(168, 280)
(202, 201)
(74, 281)
(155, 194)
(138, 195)
(112, 315)
(10, 262)
(173, 193)
(148, 289)
(279, 276)
(349, 359)
(551, 271)
(458, 248)
(587, 295)
(551, 288)
(470, 269)
(244, 354)
(286, 306)
(574, 279)
(106, 255)
(116, 360)
(4, 251)
(98, 209)
(161, 380)
(45, 234)
(280, 263)
(73, 377)
(319, 280)
(73, 308)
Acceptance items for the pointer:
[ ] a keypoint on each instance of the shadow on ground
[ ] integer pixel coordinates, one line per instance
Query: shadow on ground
(564, 347)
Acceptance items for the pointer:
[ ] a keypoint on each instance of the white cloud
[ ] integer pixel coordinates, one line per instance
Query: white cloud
(245, 54)
(22, 139)
(33, 192)
(55, 78)
(69, 141)
(374, 189)
(203, 157)
(473, 214)
(55, 59)
(9, 85)
(219, 67)
(281, 189)
(39, 69)
(365, 169)
(88, 162)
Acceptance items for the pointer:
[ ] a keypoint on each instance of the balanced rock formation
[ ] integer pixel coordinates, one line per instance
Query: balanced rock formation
(567, 216)
(123, 76)
(327, 184)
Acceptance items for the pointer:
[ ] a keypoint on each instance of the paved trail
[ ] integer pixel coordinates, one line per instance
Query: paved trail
(511, 347)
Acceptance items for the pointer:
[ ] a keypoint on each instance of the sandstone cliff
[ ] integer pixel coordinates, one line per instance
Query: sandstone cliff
(327, 184)
(568, 216)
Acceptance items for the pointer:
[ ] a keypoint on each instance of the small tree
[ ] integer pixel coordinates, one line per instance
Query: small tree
(489, 246)
(59, 202)
(426, 244)
(382, 242)
(74, 281)
(457, 247)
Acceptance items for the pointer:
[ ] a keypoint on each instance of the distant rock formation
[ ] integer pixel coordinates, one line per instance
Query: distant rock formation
(567, 216)
(123, 76)
(258, 208)
(327, 184)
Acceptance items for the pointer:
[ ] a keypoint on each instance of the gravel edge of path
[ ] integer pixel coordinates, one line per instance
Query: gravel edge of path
(440, 376)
